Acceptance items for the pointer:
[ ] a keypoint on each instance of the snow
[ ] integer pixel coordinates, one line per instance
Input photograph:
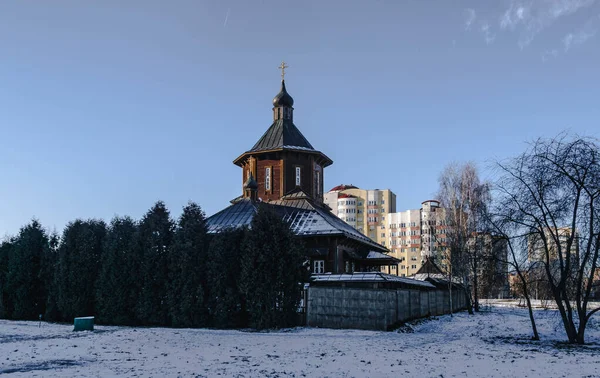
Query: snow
(494, 343)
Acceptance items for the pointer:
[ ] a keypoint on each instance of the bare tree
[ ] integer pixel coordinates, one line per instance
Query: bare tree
(507, 232)
(464, 198)
(551, 192)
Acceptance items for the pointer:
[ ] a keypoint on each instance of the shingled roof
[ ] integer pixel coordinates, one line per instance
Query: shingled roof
(282, 134)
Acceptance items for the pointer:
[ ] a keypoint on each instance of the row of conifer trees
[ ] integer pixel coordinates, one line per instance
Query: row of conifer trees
(155, 272)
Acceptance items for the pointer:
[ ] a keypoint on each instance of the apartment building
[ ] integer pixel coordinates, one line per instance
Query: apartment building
(410, 235)
(365, 210)
(413, 235)
(535, 245)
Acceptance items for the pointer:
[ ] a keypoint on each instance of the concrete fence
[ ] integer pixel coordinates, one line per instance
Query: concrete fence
(377, 305)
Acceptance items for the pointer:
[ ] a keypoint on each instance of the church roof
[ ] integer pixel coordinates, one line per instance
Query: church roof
(305, 218)
(429, 268)
(282, 134)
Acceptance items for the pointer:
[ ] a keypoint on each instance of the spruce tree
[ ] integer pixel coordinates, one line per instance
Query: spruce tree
(5, 305)
(50, 266)
(153, 243)
(226, 303)
(272, 271)
(26, 287)
(116, 292)
(78, 265)
(187, 270)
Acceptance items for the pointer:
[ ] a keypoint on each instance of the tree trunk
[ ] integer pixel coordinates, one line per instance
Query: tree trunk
(536, 336)
(450, 290)
(475, 284)
(581, 331)
(568, 323)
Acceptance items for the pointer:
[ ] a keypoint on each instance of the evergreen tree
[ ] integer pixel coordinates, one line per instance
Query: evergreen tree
(272, 271)
(116, 289)
(225, 301)
(50, 267)
(25, 279)
(5, 305)
(78, 265)
(153, 242)
(187, 270)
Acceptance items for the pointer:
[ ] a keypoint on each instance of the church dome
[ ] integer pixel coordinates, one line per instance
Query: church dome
(251, 183)
(283, 98)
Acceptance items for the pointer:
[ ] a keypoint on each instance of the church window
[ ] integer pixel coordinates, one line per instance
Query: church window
(317, 182)
(268, 178)
(298, 172)
(319, 266)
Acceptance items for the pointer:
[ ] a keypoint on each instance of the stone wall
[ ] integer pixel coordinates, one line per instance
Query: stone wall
(375, 308)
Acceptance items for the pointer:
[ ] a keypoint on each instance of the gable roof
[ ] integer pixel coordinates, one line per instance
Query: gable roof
(429, 267)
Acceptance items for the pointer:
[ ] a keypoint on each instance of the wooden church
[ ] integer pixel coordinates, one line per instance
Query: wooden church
(285, 171)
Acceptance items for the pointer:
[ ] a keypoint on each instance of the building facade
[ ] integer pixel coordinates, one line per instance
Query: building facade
(365, 210)
(411, 235)
(416, 235)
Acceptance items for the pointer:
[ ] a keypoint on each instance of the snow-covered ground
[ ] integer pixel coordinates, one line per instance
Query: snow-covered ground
(491, 344)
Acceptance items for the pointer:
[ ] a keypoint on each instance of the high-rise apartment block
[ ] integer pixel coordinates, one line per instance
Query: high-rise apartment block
(410, 235)
(365, 210)
(413, 235)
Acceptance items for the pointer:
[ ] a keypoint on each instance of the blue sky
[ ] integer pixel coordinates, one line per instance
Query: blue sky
(108, 106)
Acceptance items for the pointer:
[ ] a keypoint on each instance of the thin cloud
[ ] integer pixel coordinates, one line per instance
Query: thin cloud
(470, 18)
(227, 17)
(582, 35)
(488, 36)
(528, 18)
(516, 14)
(549, 54)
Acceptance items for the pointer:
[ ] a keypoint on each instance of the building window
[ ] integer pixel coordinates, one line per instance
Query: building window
(268, 178)
(319, 266)
(383, 234)
(298, 172)
(383, 202)
(413, 267)
(317, 182)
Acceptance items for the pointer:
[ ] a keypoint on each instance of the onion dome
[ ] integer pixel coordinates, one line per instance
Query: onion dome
(251, 183)
(283, 98)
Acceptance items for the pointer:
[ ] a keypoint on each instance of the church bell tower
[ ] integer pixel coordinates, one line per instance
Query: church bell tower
(283, 161)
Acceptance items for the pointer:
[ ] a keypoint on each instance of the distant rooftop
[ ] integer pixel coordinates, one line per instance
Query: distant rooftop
(368, 277)
(342, 187)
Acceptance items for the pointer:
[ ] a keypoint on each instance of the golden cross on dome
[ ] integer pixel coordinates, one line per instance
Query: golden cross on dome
(282, 67)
